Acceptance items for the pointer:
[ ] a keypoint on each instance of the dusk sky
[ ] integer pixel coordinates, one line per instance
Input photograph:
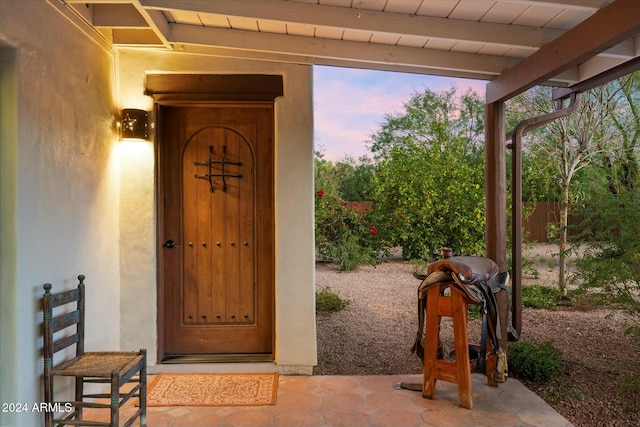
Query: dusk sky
(350, 104)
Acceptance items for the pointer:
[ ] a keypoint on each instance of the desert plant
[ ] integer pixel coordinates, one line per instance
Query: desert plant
(630, 385)
(555, 394)
(610, 265)
(329, 301)
(633, 331)
(534, 362)
(538, 296)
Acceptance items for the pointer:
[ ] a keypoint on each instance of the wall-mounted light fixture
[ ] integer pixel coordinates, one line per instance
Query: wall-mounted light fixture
(134, 124)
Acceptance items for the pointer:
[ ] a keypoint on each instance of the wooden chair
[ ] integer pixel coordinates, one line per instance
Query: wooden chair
(115, 368)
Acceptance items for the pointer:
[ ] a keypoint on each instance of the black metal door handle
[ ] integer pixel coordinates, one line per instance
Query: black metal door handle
(170, 244)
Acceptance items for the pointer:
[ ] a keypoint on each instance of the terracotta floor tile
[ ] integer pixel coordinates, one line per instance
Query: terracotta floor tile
(298, 418)
(382, 383)
(178, 411)
(253, 418)
(347, 418)
(159, 419)
(297, 383)
(396, 418)
(449, 418)
(299, 400)
(318, 401)
(498, 419)
(387, 400)
(337, 383)
(340, 400)
(226, 410)
(198, 418)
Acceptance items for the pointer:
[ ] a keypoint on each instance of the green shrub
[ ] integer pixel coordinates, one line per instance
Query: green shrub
(534, 362)
(555, 394)
(633, 331)
(345, 235)
(630, 383)
(610, 265)
(538, 296)
(424, 208)
(328, 301)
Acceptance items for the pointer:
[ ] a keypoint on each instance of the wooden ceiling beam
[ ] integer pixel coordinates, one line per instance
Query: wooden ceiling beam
(397, 24)
(89, 2)
(599, 79)
(608, 27)
(306, 50)
(340, 49)
(589, 5)
(117, 16)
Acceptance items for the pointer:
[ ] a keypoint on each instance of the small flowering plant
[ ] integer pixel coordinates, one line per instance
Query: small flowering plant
(345, 233)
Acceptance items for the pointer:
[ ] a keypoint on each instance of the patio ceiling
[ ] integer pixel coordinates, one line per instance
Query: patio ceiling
(458, 38)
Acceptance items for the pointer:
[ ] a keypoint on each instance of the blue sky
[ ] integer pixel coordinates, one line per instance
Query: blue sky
(350, 104)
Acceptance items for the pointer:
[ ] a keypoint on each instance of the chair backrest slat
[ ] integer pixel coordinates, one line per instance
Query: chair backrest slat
(73, 317)
(66, 297)
(65, 320)
(65, 342)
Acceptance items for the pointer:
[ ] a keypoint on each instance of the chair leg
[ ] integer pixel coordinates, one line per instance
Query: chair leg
(143, 389)
(48, 398)
(115, 399)
(79, 396)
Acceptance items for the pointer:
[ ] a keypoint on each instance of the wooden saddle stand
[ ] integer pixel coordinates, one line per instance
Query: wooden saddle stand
(470, 280)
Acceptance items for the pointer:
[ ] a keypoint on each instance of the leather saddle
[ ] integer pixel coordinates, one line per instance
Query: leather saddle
(465, 271)
(479, 279)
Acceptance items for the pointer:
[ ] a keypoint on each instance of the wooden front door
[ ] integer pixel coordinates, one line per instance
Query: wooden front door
(217, 230)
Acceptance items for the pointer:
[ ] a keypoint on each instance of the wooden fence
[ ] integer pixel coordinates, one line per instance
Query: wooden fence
(361, 205)
(536, 226)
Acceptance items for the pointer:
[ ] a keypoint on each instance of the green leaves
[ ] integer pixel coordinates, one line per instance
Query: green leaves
(430, 118)
(610, 265)
(346, 235)
(429, 183)
(534, 362)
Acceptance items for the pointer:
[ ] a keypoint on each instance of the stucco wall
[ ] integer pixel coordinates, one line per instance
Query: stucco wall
(75, 200)
(59, 189)
(295, 279)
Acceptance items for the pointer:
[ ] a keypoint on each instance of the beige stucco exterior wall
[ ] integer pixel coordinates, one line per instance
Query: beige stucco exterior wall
(73, 199)
(59, 192)
(295, 280)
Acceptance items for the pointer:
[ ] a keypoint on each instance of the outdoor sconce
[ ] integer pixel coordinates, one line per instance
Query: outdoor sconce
(134, 124)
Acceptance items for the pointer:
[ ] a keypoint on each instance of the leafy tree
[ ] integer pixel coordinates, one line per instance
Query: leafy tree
(430, 175)
(357, 182)
(348, 179)
(610, 264)
(621, 165)
(539, 178)
(430, 118)
(564, 147)
(326, 177)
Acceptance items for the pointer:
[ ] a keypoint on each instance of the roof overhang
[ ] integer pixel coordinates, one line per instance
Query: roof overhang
(515, 44)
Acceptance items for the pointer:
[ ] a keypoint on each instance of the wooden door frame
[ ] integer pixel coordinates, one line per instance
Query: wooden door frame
(193, 90)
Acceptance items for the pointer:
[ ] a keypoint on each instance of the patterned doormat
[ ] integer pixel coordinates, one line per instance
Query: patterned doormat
(213, 390)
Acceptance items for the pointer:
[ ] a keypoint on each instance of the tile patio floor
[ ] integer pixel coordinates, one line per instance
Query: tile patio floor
(369, 401)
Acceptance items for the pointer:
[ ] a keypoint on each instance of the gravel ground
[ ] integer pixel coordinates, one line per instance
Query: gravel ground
(600, 385)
